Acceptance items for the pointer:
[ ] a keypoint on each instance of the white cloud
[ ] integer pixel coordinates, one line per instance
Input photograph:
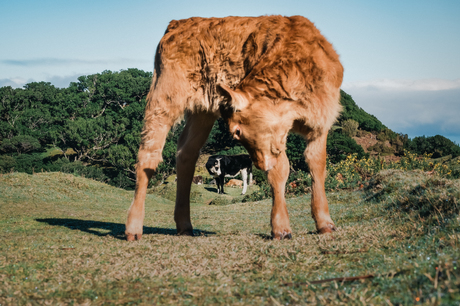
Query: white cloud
(51, 61)
(63, 81)
(404, 85)
(14, 82)
(422, 107)
(58, 81)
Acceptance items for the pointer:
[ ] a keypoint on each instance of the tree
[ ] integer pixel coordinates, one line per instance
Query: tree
(20, 144)
(100, 117)
(295, 148)
(91, 138)
(437, 145)
(220, 138)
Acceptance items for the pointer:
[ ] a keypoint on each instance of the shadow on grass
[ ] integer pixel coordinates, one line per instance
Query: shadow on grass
(265, 237)
(269, 237)
(210, 189)
(116, 230)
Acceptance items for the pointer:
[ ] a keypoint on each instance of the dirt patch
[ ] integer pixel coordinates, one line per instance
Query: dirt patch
(366, 141)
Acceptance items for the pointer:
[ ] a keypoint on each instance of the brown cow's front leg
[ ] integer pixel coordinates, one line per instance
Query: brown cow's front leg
(149, 156)
(277, 178)
(190, 142)
(315, 155)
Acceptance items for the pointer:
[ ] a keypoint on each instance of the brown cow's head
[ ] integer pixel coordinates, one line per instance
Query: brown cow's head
(259, 124)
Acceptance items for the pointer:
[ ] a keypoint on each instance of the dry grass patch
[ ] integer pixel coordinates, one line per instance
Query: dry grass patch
(62, 242)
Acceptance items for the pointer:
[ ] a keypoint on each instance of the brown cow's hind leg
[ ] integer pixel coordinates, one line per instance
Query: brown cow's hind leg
(277, 178)
(315, 155)
(190, 142)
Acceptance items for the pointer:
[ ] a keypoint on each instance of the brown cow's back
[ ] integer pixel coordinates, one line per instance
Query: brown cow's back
(282, 57)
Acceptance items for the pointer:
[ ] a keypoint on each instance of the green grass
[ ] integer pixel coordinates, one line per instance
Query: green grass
(62, 243)
(204, 194)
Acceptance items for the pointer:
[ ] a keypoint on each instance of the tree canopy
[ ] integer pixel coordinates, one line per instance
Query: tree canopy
(93, 128)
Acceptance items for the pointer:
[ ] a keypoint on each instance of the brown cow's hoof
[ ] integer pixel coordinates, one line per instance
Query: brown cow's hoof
(131, 237)
(281, 236)
(327, 229)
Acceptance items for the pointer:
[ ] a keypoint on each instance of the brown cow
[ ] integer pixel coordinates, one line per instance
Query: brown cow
(266, 76)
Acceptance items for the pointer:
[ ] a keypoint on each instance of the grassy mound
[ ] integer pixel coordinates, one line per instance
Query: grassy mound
(204, 194)
(62, 243)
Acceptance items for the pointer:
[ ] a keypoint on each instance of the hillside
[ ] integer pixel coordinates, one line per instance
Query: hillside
(379, 141)
(62, 243)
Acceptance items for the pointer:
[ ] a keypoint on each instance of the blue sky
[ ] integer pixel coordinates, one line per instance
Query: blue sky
(401, 58)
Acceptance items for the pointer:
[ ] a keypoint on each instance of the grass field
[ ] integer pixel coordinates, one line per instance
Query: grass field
(62, 242)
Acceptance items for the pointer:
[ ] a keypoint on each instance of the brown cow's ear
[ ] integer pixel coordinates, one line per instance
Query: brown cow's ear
(234, 98)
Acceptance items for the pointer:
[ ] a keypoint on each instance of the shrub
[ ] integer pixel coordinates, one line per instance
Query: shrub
(340, 145)
(361, 133)
(382, 148)
(7, 163)
(78, 168)
(382, 137)
(29, 163)
(350, 127)
(437, 145)
(298, 183)
(264, 191)
(353, 172)
(295, 148)
(20, 144)
(234, 151)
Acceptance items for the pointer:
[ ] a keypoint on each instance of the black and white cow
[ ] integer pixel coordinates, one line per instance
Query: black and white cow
(221, 166)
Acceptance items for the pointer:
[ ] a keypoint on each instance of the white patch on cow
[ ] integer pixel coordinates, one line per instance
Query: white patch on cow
(216, 168)
(232, 176)
(244, 175)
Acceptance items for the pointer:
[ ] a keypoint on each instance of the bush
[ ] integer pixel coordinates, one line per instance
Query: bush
(234, 151)
(77, 168)
(30, 163)
(350, 127)
(381, 148)
(20, 144)
(264, 191)
(7, 163)
(437, 145)
(361, 133)
(295, 148)
(340, 145)
(299, 183)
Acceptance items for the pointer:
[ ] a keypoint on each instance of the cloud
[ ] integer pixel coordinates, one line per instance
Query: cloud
(416, 108)
(14, 82)
(58, 81)
(404, 85)
(63, 81)
(67, 62)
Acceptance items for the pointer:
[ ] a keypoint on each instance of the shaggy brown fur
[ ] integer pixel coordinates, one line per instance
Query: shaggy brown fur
(267, 76)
